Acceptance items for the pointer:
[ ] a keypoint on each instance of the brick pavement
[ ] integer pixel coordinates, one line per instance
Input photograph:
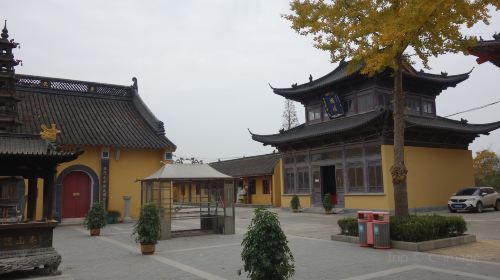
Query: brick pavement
(114, 255)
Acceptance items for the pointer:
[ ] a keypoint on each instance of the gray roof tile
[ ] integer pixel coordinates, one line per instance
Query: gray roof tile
(88, 113)
(248, 166)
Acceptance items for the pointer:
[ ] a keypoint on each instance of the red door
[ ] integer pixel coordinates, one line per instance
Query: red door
(76, 195)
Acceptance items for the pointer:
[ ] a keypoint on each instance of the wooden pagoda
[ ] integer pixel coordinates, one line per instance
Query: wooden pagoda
(25, 242)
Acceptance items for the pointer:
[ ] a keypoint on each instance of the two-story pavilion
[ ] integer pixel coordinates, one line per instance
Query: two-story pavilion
(348, 153)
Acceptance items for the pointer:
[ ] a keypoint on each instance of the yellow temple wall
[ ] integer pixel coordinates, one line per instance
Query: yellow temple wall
(132, 164)
(434, 174)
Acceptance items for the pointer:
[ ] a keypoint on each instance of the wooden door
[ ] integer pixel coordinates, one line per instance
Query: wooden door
(76, 195)
(316, 184)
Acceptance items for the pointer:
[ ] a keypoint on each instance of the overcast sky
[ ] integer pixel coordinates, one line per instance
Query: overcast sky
(203, 67)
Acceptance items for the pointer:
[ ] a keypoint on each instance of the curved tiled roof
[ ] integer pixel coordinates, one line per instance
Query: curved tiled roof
(248, 166)
(345, 71)
(30, 145)
(331, 127)
(344, 124)
(88, 113)
(487, 50)
(451, 125)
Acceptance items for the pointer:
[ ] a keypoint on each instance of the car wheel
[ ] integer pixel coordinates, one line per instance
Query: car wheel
(497, 205)
(479, 207)
(453, 211)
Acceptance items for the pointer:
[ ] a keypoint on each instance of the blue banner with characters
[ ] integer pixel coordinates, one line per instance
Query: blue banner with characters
(333, 106)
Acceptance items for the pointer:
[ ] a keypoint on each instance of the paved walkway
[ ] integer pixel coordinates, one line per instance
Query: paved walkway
(114, 255)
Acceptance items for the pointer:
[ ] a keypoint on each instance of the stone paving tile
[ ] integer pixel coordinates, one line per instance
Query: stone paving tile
(486, 250)
(419, 274)
(114, 256)
(85, 257)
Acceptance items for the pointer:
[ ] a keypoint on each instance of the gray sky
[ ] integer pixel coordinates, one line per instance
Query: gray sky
(204, 66)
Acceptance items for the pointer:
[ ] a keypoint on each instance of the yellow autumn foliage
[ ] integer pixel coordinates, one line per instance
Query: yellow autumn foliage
(378, 31)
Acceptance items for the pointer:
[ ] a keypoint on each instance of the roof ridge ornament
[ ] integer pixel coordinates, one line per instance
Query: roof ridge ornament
(49, 134)
(134, 79)
(5, 32)
(310, 78)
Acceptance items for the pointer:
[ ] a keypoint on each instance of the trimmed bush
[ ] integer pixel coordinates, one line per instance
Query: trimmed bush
(266, 254)
(113, 217)
(327, 202)
(147, 229)
(295, 202)
(426, 227)
(95, 218)
(414, 228)
(348, 226)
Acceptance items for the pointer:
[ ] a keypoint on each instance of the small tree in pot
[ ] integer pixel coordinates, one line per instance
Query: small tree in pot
(95, 219)
(266, 254)
(295, 203)
(327, 203)
(147, 229)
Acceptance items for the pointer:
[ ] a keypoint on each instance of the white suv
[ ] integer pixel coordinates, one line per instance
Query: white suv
(474, 198)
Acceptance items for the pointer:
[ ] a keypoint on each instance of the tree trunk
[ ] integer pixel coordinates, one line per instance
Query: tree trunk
(398, 170)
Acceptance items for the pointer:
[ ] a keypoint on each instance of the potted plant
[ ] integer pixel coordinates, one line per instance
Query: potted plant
(147, 228)
(327, 203)
(295, 203)
(113, 217)
(266, 260)
(95, 219)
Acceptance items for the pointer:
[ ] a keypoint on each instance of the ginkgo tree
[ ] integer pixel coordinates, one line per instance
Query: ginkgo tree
(383, 34)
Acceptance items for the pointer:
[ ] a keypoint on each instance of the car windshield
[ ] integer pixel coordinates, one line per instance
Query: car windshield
(469, 191)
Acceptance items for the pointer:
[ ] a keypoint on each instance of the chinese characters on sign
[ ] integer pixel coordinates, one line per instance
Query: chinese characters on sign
(104, 182)
(21, 242)
(333, 106)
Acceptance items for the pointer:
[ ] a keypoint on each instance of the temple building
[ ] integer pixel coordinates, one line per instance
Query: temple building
(120, 138)
(487, 50)
(259, 178)
(345, 146)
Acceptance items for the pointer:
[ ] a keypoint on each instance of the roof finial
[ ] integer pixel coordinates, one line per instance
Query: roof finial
(5, 32)
(310, 77)
(134, 79)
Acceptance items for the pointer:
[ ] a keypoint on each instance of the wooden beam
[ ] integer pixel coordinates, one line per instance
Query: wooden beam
(32, 197)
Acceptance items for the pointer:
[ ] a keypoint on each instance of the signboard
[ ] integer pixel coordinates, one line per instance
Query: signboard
(333, 106)
(104, 182)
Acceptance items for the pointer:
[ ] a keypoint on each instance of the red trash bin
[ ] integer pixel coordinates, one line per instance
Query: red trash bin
(381, 230)
(365, 228)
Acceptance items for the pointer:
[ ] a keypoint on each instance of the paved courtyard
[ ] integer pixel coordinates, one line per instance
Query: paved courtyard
(114, 255)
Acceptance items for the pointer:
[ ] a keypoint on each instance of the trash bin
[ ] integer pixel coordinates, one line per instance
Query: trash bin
(381, 230)
(365, 228)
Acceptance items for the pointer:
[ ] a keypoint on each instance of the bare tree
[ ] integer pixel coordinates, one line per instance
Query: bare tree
(290, 119)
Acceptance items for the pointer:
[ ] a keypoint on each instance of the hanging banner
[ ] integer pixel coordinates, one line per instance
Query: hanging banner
(333, 106)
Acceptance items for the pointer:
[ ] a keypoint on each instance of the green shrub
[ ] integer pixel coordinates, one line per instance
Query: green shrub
(426, 227)
(147, 229)
(113, 217)
(348, 226)
(295, 202)
(95, 218)
(265, 248)
(414, 228)
(327, 202)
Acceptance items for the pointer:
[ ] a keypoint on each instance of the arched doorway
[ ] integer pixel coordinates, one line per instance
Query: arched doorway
(76, 194)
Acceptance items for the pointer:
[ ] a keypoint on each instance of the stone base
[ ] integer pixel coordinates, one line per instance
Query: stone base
(416, 246)
(45, 260)
(433, 244)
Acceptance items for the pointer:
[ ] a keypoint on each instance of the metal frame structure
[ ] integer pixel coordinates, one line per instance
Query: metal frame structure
(214, 209)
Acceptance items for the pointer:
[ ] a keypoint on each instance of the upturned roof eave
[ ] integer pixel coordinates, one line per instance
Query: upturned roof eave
(445, 80)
